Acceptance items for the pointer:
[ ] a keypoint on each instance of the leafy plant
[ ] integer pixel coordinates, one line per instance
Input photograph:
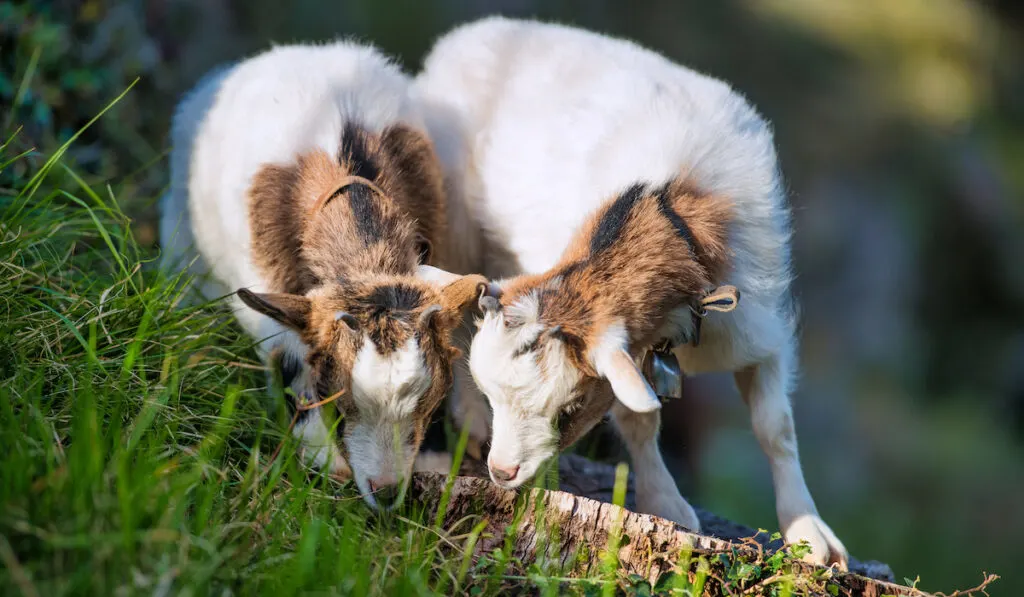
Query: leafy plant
(60, 63)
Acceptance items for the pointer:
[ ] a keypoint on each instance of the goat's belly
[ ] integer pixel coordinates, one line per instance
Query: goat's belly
(732, 341)
(716, 353)
(707, 359)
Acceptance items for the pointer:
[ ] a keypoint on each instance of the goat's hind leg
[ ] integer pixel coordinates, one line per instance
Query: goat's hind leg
(656, 490)
(765, 389)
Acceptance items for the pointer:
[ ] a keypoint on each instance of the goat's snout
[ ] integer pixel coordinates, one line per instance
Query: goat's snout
(385, 490)
(504, 473)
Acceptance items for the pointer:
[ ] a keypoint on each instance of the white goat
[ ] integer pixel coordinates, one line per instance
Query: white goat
(625, 188)
(302, 178)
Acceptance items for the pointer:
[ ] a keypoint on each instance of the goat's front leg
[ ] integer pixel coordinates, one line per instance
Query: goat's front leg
(656, 491)
(764, 388)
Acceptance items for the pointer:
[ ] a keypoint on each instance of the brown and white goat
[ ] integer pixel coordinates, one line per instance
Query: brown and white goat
(624, 188)
(302, 178)
(637, 273)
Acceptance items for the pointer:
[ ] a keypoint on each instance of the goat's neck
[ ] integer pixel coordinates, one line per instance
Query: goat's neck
(379, 259)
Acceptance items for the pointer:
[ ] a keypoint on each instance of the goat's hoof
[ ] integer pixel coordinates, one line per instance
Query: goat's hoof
(826, 549)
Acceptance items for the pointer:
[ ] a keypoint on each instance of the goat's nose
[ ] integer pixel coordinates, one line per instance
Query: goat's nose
(504, 472)
(385, 490)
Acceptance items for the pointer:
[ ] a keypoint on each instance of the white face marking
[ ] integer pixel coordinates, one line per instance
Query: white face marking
(389, 384)
(386, 390)
(525, 396)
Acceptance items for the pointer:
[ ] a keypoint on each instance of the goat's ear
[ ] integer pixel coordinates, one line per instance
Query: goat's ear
(463, 292)
(612, 362)
(457, 292)
(723, 299)
(290, 310)
(435, 275)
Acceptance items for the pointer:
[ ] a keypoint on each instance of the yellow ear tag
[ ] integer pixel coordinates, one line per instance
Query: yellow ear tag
(722, 299)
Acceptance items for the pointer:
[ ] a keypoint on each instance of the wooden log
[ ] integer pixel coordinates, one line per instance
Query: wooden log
(573, 528)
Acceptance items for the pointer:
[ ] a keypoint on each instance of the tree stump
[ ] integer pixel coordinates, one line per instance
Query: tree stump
(585, 519)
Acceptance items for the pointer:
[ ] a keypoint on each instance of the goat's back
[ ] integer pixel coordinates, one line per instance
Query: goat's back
(554, 120)
(266, 110)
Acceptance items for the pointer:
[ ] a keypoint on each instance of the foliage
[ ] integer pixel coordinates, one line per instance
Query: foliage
(60, 63)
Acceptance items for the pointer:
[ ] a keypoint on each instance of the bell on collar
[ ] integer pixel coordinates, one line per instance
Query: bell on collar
(661, 368)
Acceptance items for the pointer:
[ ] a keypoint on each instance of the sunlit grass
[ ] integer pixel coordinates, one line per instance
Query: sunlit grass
(135, 434)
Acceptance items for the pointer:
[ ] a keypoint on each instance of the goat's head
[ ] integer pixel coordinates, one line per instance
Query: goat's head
(551, 366)
(386, 345)
(546, 374)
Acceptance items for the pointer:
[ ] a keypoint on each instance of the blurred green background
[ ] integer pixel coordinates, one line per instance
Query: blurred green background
(900, 125)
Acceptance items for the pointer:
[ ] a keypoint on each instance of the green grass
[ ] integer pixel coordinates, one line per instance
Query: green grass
(136, 437)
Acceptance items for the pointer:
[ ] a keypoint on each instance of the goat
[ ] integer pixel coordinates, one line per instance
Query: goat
(624, 189)
(303, 178)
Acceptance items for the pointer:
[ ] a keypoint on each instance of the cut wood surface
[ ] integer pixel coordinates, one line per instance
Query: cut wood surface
(585, 519)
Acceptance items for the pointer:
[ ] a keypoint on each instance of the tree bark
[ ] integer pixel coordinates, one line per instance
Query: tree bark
(584, 521)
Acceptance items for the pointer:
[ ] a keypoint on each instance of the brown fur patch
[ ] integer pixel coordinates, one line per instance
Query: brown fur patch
(412, 175)
(296, 252)
(275, 218)
(640, 270)
(438, 355)
(335, 240)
